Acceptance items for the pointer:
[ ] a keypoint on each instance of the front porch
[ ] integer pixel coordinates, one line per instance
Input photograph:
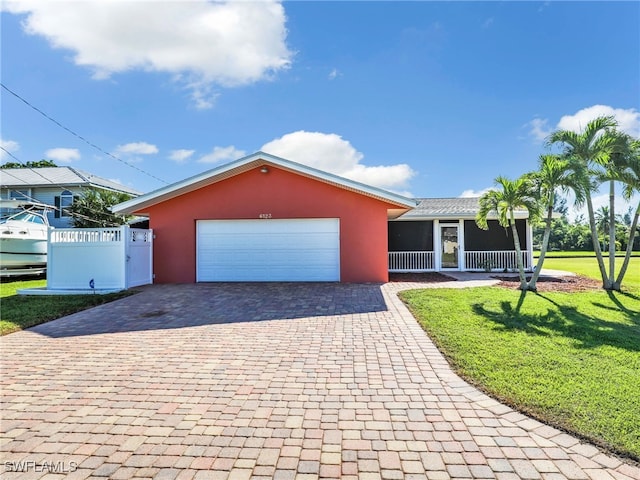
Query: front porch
(476, 261)
(456, 245)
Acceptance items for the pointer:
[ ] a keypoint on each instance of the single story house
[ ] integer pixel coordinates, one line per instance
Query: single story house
(55, 186)
(264, 218)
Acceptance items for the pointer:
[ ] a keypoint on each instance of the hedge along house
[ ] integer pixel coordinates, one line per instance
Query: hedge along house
(264, 218)
(441, 234)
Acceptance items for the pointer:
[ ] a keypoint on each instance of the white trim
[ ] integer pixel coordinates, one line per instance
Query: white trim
(461, 249)
(437, 257)
(252, 161)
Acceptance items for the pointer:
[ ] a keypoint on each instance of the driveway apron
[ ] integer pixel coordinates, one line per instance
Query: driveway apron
(230, 381)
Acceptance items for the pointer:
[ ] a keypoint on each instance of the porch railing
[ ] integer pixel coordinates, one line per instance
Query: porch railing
(495, 260)
(411, 261)
(492, 260)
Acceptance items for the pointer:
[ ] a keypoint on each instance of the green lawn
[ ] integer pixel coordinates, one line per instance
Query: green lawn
(571, 360)
(19, 312)
(572, 253)
(589, 267)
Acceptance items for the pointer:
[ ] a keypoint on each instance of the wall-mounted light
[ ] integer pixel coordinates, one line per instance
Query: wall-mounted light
(264, 170)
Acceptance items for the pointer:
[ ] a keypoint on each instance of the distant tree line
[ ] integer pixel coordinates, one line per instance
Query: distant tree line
(38, 164)
(575, 235)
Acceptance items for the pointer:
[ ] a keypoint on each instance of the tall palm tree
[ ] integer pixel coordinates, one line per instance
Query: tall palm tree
(629, 175)
(621, 150)
(588, 149)
(554, 174)
(512, 195)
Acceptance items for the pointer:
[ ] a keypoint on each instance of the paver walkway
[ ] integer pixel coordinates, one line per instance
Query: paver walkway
(262, 381)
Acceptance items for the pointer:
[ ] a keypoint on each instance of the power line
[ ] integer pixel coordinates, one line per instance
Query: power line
(101, 150)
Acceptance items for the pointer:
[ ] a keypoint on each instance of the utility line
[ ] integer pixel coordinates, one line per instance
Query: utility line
(101, 150)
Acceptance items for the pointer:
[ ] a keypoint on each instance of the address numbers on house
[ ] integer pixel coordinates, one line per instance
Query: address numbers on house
(264, 215)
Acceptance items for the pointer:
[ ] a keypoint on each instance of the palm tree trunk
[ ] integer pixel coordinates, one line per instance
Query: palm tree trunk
(516, 242)
(612, 233)
(627, 256)
(543, 251)
(596, 242)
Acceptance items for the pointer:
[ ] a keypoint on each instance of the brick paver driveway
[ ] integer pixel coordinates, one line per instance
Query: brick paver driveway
(262, 380)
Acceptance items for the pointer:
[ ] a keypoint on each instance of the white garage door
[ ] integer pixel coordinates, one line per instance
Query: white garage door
(293, 250)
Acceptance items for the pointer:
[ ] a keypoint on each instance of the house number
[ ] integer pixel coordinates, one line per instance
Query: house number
(264, 215)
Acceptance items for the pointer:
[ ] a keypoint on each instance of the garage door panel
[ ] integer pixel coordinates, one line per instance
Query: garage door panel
(268, 250)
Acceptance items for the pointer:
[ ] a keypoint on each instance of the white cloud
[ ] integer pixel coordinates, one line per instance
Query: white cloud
(8, 145)
(181, 155)
(628, 119)
(329, 152)
(487, 23)
(539, 129)
(222, 154)
(199, 42)
(137, 148)
(335, 73)
(64, 155)
(474, 193)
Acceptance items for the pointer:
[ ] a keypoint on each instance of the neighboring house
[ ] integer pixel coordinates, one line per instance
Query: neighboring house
(264, 218)
(56, 186)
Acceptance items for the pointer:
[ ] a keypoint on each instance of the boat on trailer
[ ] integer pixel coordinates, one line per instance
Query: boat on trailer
(23, 238)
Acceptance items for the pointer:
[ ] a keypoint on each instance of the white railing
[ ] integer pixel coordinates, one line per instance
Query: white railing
(492, 260)
(411, 261)
(495, 260)
(86, 235)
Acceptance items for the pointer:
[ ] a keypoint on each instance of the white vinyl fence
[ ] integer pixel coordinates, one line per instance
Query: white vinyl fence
(99, 258)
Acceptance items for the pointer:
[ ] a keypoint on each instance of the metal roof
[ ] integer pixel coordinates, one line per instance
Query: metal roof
(461, 207)
(58, 177)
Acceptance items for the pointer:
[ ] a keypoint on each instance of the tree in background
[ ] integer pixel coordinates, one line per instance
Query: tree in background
(38, 164)
(93, 209)
(512, 195)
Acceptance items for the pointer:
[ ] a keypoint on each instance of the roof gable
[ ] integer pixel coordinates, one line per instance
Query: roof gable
(256, 160)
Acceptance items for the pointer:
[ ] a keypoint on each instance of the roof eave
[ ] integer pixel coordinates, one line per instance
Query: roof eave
(247, 163)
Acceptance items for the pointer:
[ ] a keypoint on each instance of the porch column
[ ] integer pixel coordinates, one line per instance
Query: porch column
(437, 246)
(461, 255)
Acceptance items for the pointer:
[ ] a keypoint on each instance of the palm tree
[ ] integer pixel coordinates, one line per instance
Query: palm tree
(512, 195)
(588, 149)
(603, 220)
(554, 173)
(621, 150)
(629, 175)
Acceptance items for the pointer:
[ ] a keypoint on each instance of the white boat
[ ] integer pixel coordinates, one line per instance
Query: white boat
(23, 238)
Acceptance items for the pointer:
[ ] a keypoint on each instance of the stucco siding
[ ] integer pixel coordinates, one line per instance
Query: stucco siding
(279, 194)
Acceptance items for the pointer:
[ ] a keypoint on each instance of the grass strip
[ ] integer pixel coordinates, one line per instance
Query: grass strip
(18, 312)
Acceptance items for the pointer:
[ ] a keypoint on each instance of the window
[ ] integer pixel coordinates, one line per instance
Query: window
(19, 195)
(63, 203)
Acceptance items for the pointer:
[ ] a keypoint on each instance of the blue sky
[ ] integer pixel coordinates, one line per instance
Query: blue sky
(425, 98)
